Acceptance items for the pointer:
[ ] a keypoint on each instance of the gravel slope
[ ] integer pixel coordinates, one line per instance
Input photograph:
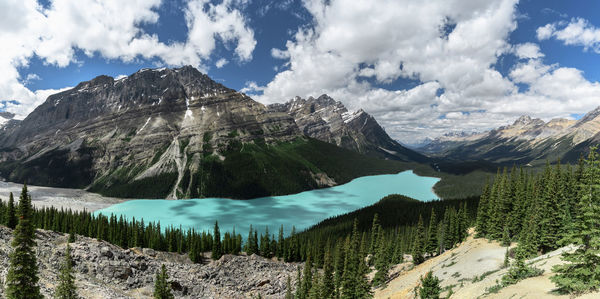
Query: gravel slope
(75, 199)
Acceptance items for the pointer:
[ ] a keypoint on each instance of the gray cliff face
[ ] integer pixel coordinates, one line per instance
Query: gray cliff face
(153, 122)
(176, 133)
(329, 120)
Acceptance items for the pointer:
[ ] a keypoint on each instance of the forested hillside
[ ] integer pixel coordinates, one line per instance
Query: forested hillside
(543, 212)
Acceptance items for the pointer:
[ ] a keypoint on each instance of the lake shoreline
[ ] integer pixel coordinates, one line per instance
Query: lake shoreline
(65, 198)
(301, 210)
(80, 199)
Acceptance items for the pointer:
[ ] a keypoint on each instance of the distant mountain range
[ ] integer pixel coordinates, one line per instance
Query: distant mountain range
(527, 141)
(177, 133)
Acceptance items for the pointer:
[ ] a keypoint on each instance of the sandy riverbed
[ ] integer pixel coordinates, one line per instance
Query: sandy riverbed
(75, 199)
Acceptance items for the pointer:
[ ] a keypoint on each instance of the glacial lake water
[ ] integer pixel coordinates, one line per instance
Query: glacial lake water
(302, 209)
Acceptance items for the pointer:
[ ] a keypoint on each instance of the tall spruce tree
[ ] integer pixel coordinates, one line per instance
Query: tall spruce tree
(354, 283)
(375, 230)
(382, 263)
(327, 282)
(307, 279)
(417, 250)
(66, 288)
(11, 215)
(581, 273)
(162, 287)
(549, 226)
(432, 238)
(482, 211)
(217, 248)
(288, 289)
(22, 278)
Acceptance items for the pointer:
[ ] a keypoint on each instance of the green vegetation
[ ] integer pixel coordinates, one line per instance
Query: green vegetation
(124, 186)
(162, 287)
(158, 154)
(22, 277)
(55, 168)
(534, 209)
(10, 215)
(66, 288)
(253, 170)
(338, 245)
(519, 271)
(217, 250)
(248, 170)
(543, 212)
(581, 273)
(430, 287)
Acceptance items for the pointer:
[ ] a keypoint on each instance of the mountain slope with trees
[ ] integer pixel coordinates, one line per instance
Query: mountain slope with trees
(175, 133)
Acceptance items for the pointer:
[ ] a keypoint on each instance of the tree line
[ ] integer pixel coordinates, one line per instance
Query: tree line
(343, 259)
(543, 212)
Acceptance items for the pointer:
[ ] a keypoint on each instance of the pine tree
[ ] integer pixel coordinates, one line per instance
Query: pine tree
(279, 253)
(430, 287)
(217, 249)
(505, 236)
(506, 259)
(288, 289)
(315, 290)
(327, 283)
(549, 226)
(417, 250)
(22, 277)
(162, 288)
(519, 270)
(307, 279)
(382, 263)
(375, 230)
(432, 239)
(482, 211)
(340, 258)
(349, 283)
(581, 273)
(363, 287)
(11, 215)
(66, 288)
(72, 237)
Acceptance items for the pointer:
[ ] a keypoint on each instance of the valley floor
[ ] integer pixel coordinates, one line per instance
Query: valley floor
(472, 267)
(74, 199)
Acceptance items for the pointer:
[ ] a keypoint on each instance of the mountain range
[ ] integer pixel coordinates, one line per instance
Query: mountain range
(526, 141)
(176, 133)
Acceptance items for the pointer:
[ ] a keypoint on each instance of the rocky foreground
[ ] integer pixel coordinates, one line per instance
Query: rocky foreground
(103, 270)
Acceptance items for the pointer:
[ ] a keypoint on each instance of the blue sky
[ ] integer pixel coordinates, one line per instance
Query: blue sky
(272, 28)
(494, 62)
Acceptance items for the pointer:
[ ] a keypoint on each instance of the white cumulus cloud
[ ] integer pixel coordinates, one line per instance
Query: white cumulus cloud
(450, 46)
(111, 29)
(577, 32)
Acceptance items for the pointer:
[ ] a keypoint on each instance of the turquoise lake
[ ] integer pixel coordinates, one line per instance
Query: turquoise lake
(302, 209)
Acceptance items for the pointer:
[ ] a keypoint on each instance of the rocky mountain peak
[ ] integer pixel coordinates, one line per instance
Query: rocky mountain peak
(592, 115)
(525, 120)
(7, 115)
(329, 120)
